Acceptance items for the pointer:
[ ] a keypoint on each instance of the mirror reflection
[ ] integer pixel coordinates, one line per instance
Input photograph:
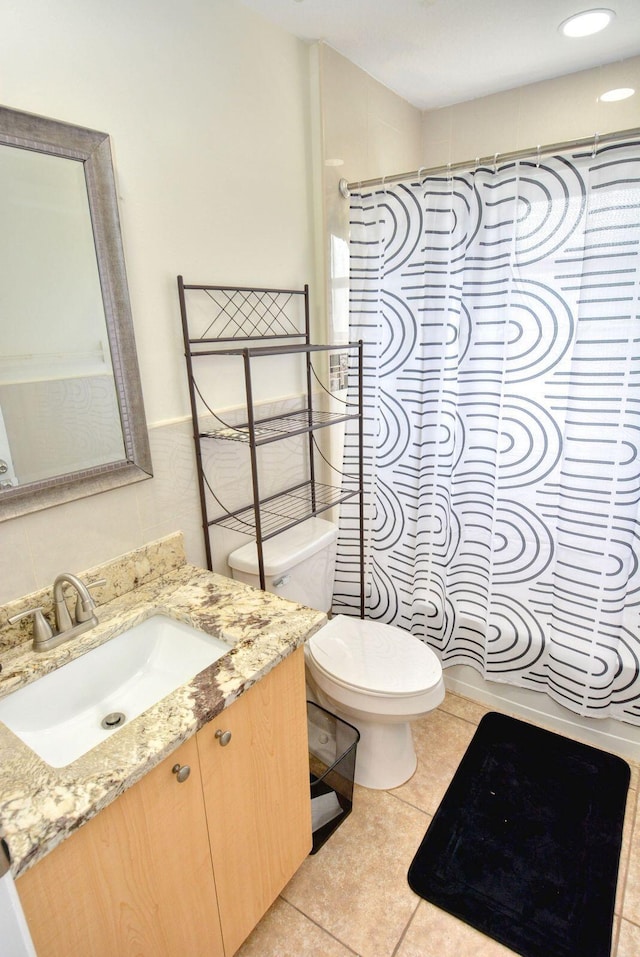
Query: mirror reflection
(58, 403)
(71, 412)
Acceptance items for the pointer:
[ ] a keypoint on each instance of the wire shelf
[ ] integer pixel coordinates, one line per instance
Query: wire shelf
(285, 510)
(273, 429)
(255, 324)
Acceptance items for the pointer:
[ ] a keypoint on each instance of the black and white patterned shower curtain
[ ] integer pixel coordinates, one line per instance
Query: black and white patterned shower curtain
(501, 317)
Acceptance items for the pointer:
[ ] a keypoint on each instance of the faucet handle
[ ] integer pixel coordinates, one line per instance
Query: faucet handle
(84, 607)
(41, 627)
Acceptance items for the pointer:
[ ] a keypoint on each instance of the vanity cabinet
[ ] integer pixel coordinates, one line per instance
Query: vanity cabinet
(257, 796)
(138, 878)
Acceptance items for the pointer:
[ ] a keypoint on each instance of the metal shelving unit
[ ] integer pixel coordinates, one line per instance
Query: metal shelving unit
(229, 321)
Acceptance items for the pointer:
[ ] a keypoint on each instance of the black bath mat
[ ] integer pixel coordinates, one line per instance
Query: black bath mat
(525, 845)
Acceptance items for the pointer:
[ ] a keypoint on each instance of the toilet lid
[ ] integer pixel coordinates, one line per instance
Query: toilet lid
(374, 657)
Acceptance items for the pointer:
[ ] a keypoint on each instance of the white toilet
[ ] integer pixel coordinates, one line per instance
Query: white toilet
(377, 677)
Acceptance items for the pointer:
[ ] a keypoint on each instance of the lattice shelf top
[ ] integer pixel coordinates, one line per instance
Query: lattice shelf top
(221, 314)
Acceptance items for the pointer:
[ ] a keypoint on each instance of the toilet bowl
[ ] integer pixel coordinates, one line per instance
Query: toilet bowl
(376, 677)
(380, 679)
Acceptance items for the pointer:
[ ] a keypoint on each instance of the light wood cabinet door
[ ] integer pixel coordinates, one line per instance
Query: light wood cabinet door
(256, 792)
(135, 881)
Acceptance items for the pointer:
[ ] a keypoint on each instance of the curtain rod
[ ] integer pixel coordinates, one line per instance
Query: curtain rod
(594, 142)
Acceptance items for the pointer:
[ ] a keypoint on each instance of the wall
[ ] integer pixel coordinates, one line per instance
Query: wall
(207, 108)
(366, 131)
(361, 129)
(542, 113)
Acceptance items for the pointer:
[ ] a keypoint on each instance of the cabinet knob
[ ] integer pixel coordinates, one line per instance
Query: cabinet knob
(181, 772)
(223, 737)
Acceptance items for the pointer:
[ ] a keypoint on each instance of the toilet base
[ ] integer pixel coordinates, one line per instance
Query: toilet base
(386, 757)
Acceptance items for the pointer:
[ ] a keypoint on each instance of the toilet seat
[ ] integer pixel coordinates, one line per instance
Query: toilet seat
(375, 658)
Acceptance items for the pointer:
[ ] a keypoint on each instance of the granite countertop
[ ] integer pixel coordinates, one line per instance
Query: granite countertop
(41, 805)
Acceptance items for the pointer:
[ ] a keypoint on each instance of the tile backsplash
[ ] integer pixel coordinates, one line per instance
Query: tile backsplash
(82, 534)
(123, 574)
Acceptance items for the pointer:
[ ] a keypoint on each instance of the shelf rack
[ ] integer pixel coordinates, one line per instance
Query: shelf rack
(229, 321)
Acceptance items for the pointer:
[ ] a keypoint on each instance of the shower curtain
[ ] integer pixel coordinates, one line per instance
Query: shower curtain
(500, 312)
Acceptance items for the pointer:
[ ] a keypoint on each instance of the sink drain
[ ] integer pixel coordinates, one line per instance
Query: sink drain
(113, 720)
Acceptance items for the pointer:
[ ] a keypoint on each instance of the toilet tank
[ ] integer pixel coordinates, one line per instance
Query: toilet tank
(299, 564)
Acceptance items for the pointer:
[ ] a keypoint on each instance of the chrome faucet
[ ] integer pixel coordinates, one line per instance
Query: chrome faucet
(44, 638)
(84, 605)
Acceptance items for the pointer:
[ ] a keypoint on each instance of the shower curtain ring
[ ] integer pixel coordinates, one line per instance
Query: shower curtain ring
(495, 162)
(538, 157)
(595, 145)
(420, 173)
(477, 164)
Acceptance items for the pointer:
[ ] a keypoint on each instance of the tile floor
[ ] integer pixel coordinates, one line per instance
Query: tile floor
(352, 897)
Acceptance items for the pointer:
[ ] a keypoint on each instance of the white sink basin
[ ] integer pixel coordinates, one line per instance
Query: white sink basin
(60, 715)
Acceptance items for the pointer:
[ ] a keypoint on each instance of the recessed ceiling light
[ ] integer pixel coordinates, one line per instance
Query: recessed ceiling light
(586, 23)
(622, 93)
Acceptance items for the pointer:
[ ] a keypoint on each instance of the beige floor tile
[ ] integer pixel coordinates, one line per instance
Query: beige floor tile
(434, 933)
(352, 898)
(440, 741)
(629, 940)
(356, 885)
(285, 932)
(631, 900)
(463, 707)
(615, 934)
(634, 783)
(625, 853)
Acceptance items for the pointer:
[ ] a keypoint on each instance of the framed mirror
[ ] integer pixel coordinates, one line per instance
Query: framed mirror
(72, 419)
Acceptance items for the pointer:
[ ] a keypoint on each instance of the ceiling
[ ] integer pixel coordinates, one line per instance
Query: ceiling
(437, 52)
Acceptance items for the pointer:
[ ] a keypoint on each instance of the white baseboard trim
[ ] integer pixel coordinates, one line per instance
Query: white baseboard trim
(608, 733)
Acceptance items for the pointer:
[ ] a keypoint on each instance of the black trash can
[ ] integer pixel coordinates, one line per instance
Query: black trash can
(332, 765)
